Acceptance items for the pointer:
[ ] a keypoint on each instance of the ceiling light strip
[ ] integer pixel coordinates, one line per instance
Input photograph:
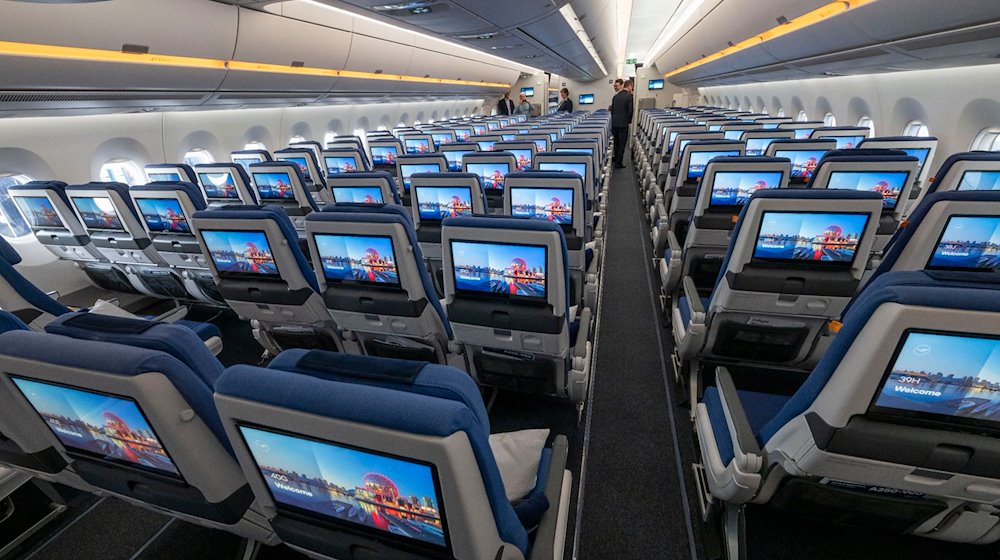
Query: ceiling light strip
(569, 14)
(805, 20)
(8, 48)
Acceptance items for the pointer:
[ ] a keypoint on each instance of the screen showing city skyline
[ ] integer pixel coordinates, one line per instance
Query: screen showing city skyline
(98, 213)
(946, 376)
(554, 205)
(486, 145)
(299, 161)
(437, 203)
(163, 215)
(384, 155)
(97, 424)
(408, 169)
(359, 487)
(492, 174)
(219, 185)
(803, 133)
(442, 138)
(580, 169)
(522, 157)
(887, 183)
(804, 162)
(968, 243)
(339, 164)
(38, 211)
(499, 268)
(462, 134)
(274, 186)
(734, 188)
(454, 158)
(758, 146)
(699, 161)
(846, 142)
(357, 258)
(357, 195)
(979, 181)
(240, 252)
(417, 145)
(809, 237)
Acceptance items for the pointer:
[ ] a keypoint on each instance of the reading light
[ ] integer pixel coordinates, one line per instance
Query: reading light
(790, 26)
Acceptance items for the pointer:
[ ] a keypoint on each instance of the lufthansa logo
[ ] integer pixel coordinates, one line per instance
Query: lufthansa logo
(922, 350)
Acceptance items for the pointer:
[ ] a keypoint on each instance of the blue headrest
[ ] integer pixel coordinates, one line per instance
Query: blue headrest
(905, 288)
(10, 322)
(120, 188)
(278, 216)
(8, 253)
(955, 158)
(196, 386)
(293, 169)
(58, 187)
(190, 189)
(185, 168)
(437, 401)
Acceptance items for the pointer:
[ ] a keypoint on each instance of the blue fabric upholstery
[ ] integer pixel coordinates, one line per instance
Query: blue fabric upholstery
(908, 288)
(204, 331)
(441, 402)
(190, 189)
(278, 216)
(10, 322)
(376, 175)
(34, 296)
(759, 408)
(387, 214)
(120, 188)
(185, 170)
(685, 311)
(945, 168)
(291, 168)
(196, 386)
(234, 169)
(8, 253)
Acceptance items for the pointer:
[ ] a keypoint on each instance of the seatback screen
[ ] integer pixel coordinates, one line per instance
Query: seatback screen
(38, 211)
(952, 378)
(734, 134)
(486, 145)
(479, 129)
(357, 258)
(540, 145)
(463, 134)
(393, 497)
(733, 188)
(579, 168)
(437, 203)
(154, 176)
(847, 142)
(454, 158)
(810, 237)
(417, 145)
(887, 183)
(968, 243)
(699, 161)
(921, 155)
(163, 215)
(499, 269)
(492, 174)
(98, 425)
(357, 195)
(337, 164)
(219, 185)
(240, 253)
(523, 158)
(274, 186)
(979, 181)
(384, 155)
(554, 205)
(98, 213)
(442, 138)
(804, 162)
(758, 146)
(246, 162)
(300, 161)
(407, 169)
(803, 133)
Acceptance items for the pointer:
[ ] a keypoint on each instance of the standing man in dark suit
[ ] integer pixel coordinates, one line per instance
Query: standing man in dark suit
(621, 118)
(505, 106)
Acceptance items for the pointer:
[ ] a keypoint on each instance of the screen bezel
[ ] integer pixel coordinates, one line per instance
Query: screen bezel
(334, 282)
(940, 238)
(89, 455)
(79, 213)
(348, 526)
(484, 296)
(241, 275)
(138, 206)
(927, 419)
(806, 264)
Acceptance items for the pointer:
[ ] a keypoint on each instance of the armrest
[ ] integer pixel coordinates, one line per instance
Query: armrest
(693, 299)
(739, 425)
(171, 316)
(545, 536)
(582, 335)
(673, 244)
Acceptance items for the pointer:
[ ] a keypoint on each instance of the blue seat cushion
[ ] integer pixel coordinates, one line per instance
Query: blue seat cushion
(205, 331)
(10, 322)
(759, 407)
(682, 306)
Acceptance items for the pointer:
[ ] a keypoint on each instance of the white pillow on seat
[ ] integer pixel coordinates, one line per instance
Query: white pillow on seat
(517, 455)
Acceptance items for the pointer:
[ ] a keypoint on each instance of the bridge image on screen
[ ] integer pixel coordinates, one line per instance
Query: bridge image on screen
(240, 251)
(699, 161)
(555, 205)
(384, 155)
(804, 162)
(274, 186)
(887, 183)
(791, 236)
(437, 203)
(417, 146)
(358, 258)
(950, 375)
(358, 487)
(980, 181)
(340, 164)
(734, 188)
(357, 195)
(969, 242)
(495, 268)
(103, 425)
(219, 185)
(163, 215)
(98, 213)
(492, 174)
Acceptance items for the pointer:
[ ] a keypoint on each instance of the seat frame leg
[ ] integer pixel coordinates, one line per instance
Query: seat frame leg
(734, 531)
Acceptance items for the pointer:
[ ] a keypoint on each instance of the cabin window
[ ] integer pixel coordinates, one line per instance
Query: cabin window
(829, 120)
(803, 116)
(255, 145)
(198, 156)
(12, 224)
(916, 128)
(868, 123)
(296, 139)
(988, 140)
(123, 171)
(329, 137)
